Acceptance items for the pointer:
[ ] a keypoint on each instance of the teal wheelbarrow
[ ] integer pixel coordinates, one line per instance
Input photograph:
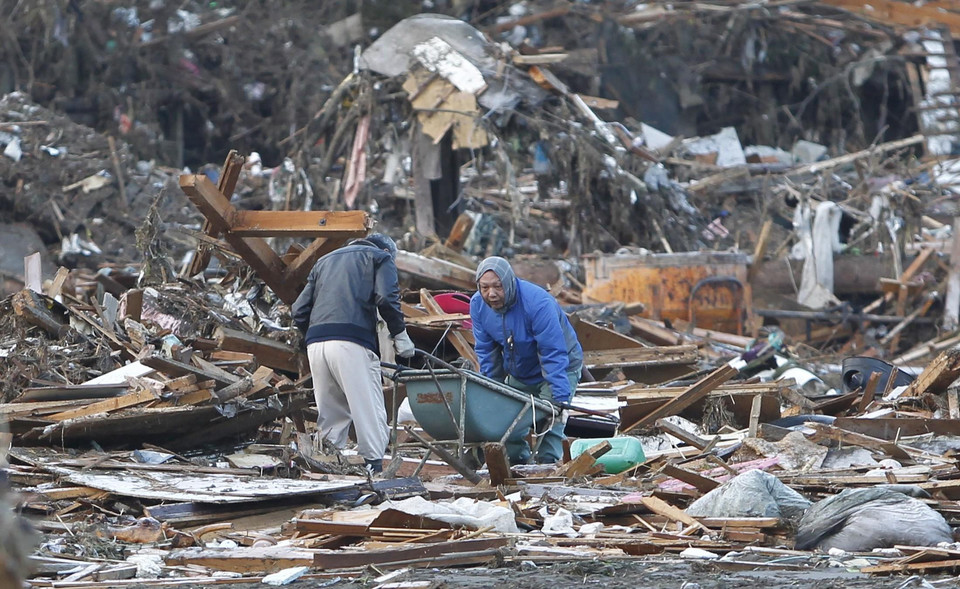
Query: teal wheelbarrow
(463, 408)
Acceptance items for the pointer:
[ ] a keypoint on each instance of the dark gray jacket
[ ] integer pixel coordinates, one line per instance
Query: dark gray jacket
(344, 290)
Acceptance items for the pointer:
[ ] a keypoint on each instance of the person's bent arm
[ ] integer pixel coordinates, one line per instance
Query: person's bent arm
(552, 348)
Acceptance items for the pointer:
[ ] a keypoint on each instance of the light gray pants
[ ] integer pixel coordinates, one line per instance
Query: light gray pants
(346, 385)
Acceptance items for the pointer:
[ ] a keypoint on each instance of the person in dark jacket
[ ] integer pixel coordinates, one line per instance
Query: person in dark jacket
(337, 311)
(523, 338)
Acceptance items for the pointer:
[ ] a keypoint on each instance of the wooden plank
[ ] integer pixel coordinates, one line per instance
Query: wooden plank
(911, 567)
(869, 391)
(635, 393)
(57, 284)
(453, 336)
(690, 396)
(438, 320)
(755, 407)
(61, 493)
(197, 397)
(498, 465)
(593, 337)
(656, 356)
(229, 174)
(661, 507)
(243, 559)
(759, 250)
(826, 432)
(254, 250)
(740, 522)
(702, 483)
(323, 526)
(221, 357)
(30, 305)
(268, 352)
(72, 392)
(439, 271)
(848, 158)
(681, 434)
(181, 383)
(582, 464)
(901, 13)
(107, 405)
(327, 224)
(343, 560)
(176, 368)
(938, 375)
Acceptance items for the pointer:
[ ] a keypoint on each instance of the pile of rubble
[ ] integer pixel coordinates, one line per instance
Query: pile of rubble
(769, 313)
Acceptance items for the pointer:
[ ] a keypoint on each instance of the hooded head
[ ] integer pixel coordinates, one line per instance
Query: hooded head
(383, 242)
(500, 297)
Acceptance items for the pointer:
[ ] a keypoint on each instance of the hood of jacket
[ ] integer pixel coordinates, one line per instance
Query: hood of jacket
(508, 279)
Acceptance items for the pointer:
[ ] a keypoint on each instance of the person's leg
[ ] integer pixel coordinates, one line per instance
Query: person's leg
(357, 370)
(551, 445)
(333, 421)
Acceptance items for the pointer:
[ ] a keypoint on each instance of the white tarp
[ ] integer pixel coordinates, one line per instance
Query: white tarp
(463, 511)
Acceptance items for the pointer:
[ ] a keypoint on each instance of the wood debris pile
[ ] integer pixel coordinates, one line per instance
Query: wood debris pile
(754, 237)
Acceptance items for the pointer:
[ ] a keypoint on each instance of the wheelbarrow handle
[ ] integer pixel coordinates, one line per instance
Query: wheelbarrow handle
(569, 407)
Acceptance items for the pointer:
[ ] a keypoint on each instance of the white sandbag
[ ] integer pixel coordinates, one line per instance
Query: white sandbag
(751, 494)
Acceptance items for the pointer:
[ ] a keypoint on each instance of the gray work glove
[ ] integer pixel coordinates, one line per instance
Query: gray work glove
(403, 345)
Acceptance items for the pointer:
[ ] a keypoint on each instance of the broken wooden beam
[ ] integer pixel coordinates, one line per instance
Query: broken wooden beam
(129, 400)
(437, 271)
(173, 367)
(31, 306)
(268, 352)
(655, 356)
(328, 560)
(681, 434)
(661, 507)
(702, 483)
(938, 375)
(498, 465)
(690, 396)
(583, 464)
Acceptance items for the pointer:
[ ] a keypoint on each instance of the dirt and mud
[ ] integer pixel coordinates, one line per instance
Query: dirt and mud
(652, 574)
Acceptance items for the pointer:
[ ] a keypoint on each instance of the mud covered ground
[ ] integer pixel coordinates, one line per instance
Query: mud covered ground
(652, 574)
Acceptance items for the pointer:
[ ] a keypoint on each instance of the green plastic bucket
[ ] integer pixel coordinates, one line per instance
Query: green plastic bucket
(626, 452)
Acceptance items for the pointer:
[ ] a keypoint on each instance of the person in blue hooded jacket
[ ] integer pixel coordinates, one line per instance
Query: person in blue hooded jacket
(523, 338)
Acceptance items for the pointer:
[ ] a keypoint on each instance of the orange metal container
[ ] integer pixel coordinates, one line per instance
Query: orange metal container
(706, 288)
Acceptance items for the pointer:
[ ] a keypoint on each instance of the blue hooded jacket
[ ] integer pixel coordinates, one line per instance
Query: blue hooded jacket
(529, 338)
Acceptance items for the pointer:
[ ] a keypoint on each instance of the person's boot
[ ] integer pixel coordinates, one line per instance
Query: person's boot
(374, 466)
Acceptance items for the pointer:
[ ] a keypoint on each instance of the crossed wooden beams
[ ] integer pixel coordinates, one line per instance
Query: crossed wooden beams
(245, 230)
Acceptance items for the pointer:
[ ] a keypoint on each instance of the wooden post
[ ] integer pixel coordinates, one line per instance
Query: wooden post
(33, 273)
(498, 465)
(755, 408)
(422, 192)
(951, 307)
(870, 390)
